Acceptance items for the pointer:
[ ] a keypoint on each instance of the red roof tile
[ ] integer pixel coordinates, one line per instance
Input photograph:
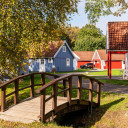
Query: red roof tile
(118, 35)
(84, 55)
(53, 47)
(104, 56)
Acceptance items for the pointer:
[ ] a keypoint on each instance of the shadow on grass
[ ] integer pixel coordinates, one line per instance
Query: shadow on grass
(84, 118)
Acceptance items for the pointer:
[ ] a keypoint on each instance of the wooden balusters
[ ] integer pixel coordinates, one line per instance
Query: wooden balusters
(79, 92)
(42, 106)
(69, 92)
(43, 79)
(32, 85)
(54, 93)
(3, 98)
(64, 85)
(98, 93)
(16, 94)
(90, 91)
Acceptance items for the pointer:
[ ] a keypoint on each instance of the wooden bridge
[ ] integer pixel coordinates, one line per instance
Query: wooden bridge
(45, 106)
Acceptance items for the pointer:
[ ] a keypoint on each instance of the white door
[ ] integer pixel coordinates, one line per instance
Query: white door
(42, 65)
(123, 64)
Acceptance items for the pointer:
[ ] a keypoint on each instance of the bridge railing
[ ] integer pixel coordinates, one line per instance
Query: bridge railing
(67, 78)
(15, 81)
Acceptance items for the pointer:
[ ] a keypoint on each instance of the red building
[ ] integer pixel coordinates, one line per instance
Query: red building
(100, 60)
(117, 41)
(85, 57)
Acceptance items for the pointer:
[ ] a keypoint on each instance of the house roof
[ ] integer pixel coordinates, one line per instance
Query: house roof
(53, 47)
(117, 36)
(104, 56)
(84, 55)
(52, 50)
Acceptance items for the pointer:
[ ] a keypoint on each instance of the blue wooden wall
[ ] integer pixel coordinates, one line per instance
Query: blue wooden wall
(48, 66)
(60, 60)
(34, 65)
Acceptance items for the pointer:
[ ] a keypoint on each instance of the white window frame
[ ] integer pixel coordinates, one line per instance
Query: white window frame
(42, 60)
(68, 65)
(50, 60)
(64, 48)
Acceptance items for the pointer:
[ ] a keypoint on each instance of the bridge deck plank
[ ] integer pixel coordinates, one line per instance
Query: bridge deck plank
(28, 110)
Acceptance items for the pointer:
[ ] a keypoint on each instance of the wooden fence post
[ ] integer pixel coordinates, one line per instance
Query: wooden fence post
(79, 92)
(32, 85)
(16, 94)
(64, 85)
(42, 106)
(98, 93)
(3, 98)
(91, 93)
(54, 93)
(43, 79)
(69, 92)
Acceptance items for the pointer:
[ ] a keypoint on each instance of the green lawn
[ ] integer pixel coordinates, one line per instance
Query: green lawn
(78, 70)
(114, 81)
(115, 72)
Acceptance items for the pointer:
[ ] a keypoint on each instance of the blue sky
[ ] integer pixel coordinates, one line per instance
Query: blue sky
(81, 20)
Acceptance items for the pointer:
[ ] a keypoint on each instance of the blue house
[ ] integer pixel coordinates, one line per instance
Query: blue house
(59, 56)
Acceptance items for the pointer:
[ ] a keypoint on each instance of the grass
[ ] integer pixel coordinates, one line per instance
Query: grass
(114, 81)
(112, 113)
(78, 70)
(115, 72)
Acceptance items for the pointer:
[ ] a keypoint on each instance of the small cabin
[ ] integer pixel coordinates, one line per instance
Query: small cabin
(58, 56)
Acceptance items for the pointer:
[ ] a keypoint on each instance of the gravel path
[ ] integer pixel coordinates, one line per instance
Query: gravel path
(122, 89)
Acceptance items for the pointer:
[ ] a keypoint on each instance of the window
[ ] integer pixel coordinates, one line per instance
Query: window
(64, 48)
(97, 62)
(49, 60)
(42, 61)
(68, 62)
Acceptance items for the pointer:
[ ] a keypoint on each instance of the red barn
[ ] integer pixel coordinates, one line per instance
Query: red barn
(85, 57)
(100, 60)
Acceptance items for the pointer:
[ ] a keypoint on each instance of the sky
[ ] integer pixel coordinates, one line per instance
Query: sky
(81, 19)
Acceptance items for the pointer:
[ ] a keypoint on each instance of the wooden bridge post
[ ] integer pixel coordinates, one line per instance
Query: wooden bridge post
(69, 92)
(42, 106)
(98, 93)
(43, 79)
(80, 87)
(64, 85)
(16, 94)
(32, 85)
(3, 98)
(91, 93)
(54, 93)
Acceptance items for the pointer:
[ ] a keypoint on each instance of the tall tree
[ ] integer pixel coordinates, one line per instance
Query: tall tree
(97, 8)
(70, 35)
(27, 23)
(89, 39)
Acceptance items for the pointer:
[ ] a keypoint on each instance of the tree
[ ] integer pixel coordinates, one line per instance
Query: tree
(89, 39)
(27, 23)
(97, 8)
(70, 35)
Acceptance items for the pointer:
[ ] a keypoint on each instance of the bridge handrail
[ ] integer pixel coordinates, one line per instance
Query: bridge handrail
(66, 78)
(3, 87)
(23, 76)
